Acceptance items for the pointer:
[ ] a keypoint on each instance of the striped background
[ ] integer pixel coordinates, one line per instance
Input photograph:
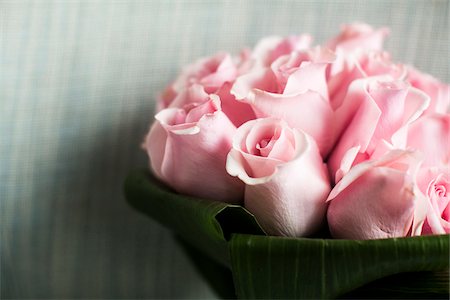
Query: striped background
(77, 80)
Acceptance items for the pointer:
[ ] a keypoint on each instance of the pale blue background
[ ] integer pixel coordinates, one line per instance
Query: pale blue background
(77, 80)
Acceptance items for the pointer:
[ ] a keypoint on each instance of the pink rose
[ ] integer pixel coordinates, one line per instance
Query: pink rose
(376, 119)
(430, 134)
(286, 182)
(435, 184)
(268, 49)
(358, 55)
(439, 92)
(210, 72)
(237, 111)
(376, 199)
(360, 64)
(193, 94)
(356, 36)
(293, 89)
(188, 149)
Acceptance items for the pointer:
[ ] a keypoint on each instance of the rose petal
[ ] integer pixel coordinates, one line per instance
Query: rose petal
(259, 79)
(155, 144)
(305, 111)
(193, 94)
(194, 164)
(435, 184)
(438, 92)
(378, 204)
(358, 35)
(291, 201)
(237, 111)
(430, 134)
(384, 111)
(270, 48)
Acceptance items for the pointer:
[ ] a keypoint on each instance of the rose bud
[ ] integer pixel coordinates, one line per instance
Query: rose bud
(376, 199)
(188, 149)
(435, 184)
(294, 89)
(286, 182)
(209, 72)
(430, 135)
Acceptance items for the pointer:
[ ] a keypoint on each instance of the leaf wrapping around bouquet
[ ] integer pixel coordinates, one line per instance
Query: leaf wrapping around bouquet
(279, 267)
(203, 223)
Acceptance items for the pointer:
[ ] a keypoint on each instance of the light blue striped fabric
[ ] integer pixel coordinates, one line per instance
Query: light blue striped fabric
(77, 80)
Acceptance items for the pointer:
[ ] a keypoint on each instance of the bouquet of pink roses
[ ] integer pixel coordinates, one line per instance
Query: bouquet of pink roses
(289, 129)
(310, 137)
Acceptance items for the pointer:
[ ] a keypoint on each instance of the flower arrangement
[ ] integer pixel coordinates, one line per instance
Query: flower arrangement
(308, 139)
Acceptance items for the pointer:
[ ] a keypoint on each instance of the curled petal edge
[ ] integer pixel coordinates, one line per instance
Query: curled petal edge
(234, 165)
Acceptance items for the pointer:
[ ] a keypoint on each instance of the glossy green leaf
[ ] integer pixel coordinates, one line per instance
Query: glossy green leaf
(277, 267)
(205, 224)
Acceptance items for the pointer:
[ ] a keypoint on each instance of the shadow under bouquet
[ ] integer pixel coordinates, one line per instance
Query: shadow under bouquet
(308, 171)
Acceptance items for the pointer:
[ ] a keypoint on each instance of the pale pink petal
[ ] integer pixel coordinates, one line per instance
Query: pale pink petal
(438, 92)
(409, 160)
(226, 71)
(284, 147)
(195, 113)
(290, 44)
(431, 135)
(358, 135)
(302, 71)
(287, 197)
(310, 76)
(270, 48)
(246, 153)
(306, 111)
(237, 111)
(155, 144)
(377, 63)
(378, 204)
(359, 35)
(210, 72)
(347, 109)
(263, 49)
(262, 129)
(250, 168)
(194, 164)
(361, 64)
(435, 184)
(291, 201)
(390, 99)
(262, 79)
(384, 110)
(192, 94)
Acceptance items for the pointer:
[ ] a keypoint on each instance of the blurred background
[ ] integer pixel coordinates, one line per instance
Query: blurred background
(77, 86)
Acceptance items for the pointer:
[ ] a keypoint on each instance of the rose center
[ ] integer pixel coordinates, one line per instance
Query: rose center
(265, 146)
(440, 190)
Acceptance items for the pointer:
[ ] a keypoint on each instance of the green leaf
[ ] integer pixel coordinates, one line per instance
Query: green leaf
(277, 267)
(203, 223)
